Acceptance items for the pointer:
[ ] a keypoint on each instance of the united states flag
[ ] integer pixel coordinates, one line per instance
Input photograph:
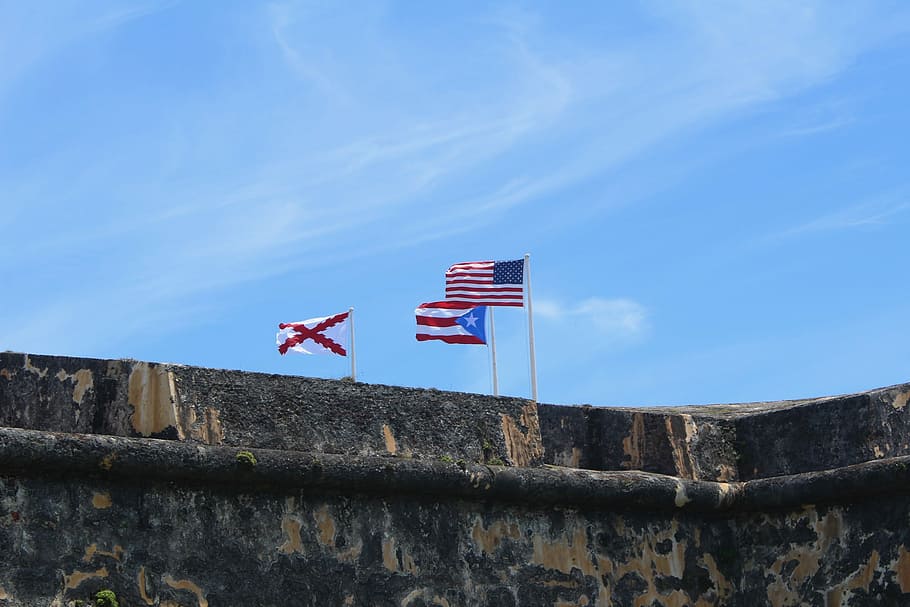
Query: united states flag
(487, 283)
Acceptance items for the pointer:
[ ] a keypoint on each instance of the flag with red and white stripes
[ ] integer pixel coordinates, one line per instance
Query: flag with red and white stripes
(452, 322)
(486, 283)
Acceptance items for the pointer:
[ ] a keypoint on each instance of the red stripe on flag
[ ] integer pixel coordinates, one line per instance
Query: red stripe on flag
(487, 295)
(463, 281)
(450, 339)
(484, 276)
(467, 265)
(489, 289)
(497, 302)
(448, 305)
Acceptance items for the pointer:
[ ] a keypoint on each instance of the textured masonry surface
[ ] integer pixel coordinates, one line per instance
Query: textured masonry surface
(215, 407)
(124, 475)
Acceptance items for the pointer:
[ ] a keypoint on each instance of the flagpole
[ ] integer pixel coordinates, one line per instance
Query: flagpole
(353, 354)
(527, 272)
(493, 352)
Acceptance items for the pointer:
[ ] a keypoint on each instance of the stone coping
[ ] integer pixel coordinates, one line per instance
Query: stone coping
(30, 453)
(730, 411)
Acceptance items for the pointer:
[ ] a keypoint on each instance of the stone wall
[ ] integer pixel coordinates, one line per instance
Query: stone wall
(731, 442)
(179, 486)
(169, 523)
(215, 407)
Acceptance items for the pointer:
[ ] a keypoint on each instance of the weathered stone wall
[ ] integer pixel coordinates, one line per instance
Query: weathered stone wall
(80, 514)
(128, 476)
(600, 438)
(159, 544)
(731, 442)
(825, 433)
(212, 406)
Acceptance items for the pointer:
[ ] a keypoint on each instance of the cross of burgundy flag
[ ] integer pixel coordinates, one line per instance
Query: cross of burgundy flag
(326, 335)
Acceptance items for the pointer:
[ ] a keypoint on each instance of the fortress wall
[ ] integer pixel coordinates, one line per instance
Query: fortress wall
(161, 544)
(825, 433)
(601, 438)
(209, 531)
(128, 476)
(212, 406)
(731, 442)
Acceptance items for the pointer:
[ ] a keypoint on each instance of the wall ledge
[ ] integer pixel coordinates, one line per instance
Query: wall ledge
(33, 453)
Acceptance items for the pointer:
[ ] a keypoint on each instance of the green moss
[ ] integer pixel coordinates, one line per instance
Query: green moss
(246, 458)
(106, 598)
(489, 454)
(447, 459)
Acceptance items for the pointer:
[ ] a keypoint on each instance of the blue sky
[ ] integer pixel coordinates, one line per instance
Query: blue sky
(715, 197)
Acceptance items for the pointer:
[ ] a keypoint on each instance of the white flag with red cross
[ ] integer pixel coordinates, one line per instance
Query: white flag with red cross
(325, 335)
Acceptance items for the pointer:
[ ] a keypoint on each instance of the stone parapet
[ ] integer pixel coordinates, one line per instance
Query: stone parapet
(731, 442)
(242, 409)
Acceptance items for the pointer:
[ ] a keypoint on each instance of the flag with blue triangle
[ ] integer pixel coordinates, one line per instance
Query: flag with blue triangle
(452, 322)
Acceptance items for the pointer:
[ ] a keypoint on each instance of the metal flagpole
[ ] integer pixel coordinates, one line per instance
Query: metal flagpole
(527, 272)
(353, 355)
(493, 352)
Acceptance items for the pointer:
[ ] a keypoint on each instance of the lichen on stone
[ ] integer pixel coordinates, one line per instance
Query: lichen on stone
(246, 458)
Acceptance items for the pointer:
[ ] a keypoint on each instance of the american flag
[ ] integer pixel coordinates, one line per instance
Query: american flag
(487, 283)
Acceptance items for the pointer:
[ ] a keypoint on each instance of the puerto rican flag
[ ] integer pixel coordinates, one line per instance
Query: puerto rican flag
(324, 335)
(452, 322)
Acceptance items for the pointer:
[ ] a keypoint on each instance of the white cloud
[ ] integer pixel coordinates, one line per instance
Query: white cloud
(609, 319)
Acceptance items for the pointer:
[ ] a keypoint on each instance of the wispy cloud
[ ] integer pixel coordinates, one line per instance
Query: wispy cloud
(611, 320)
(569, 336)
(383, 146)
(282, 16)
(31, 32)
(817, 128)
(865, 215)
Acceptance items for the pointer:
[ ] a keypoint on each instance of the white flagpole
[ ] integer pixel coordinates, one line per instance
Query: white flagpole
(353, 355)
(527, 272)
(493, 352)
